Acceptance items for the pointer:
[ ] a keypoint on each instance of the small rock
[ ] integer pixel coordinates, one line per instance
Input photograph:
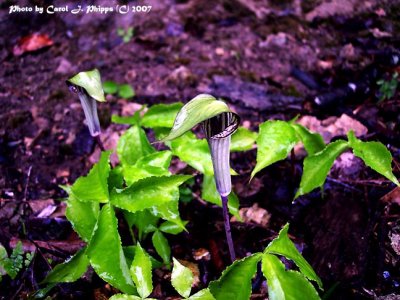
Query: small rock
(181, 76)
(395, 242)
(64, 67)
(256, 215)
(277, 40)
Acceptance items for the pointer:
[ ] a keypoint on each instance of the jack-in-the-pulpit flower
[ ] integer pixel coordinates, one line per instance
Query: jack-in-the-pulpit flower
(219, 123)
(89, 89)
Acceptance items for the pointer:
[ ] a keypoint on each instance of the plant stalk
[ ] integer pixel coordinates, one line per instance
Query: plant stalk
(100, 143)
(227, 226)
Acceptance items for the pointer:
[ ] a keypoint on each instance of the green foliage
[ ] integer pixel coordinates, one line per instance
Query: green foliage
(375, 155)
(126, 91)
(235, 281)
(313, 142)
(161, 245)
(275, 140)
(243, 139)
(11, 265)
(70, 270)
(126, 34)
(161, 115)
(387, 88)
(317, 166)
(110, 87)
(285, 284)
(141, 272)
(181, 279)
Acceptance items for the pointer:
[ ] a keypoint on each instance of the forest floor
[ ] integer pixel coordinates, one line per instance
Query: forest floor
(268, 60)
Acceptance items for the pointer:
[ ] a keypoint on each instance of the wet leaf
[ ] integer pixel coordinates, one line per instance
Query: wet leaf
(181, 279)
(161, 115)
(204, 294)
(141, 272)
(274, 142)
(83, 217)
(235, 281)
(110, 87)
(154, 164)
(71, 270)
(105, 252)
(162, 247)
(148, 192)
(126, 91)
(317, 166)
(285, 284)
(94, 186)
(243, 139)
(375, 155)
(144, 221)
(313, 142)
(91, 82)
(200, 108)
(133, 145)
(32, 43)
(282, 245)
(170, 211)
(210, 194)
(126, 297)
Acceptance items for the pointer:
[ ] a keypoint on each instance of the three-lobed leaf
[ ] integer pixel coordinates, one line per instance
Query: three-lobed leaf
(94, 186)
(285, 284)
(235, 281)
(161, 115)
(70, 270)
(275, 140)
(282, 245)
(317, 166)
(181, 279)
(141, 272)
(375, 155)
(105, 252)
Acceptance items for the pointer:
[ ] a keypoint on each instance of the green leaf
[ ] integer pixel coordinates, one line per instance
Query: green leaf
(131, 120)
(313, 142)
(91, 82)
(110, 87)
(148, 192)
(210, 194)
(126, 91)
(14, 263)
(194, 152)
(375, 155)
(116, 178)
(275, 140)
(162, 247)
(3, 259)
(105, 252)
(282, 245)
(204, 294)
(83, 217)
(141, 272)
(243, 139)
(181, 279)
(285, 284)
(94, 186)
(170, 211)
(161, 115)
(235, 281)
(170, 227)
(129, 252)
(154, 164)
(71, 270)
(133, 145)
(317, 166)
(124, 297)
(200, 108)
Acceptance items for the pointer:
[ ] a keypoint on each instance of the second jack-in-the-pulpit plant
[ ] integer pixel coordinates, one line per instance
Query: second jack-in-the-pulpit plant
(218, 124)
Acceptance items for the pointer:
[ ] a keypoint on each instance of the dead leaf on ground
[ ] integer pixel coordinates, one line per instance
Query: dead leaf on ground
(32, 43)
(392, 197)
(66, 246)
(255, 214)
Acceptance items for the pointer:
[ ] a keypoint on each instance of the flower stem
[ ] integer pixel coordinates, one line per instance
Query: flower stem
(227, 226)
